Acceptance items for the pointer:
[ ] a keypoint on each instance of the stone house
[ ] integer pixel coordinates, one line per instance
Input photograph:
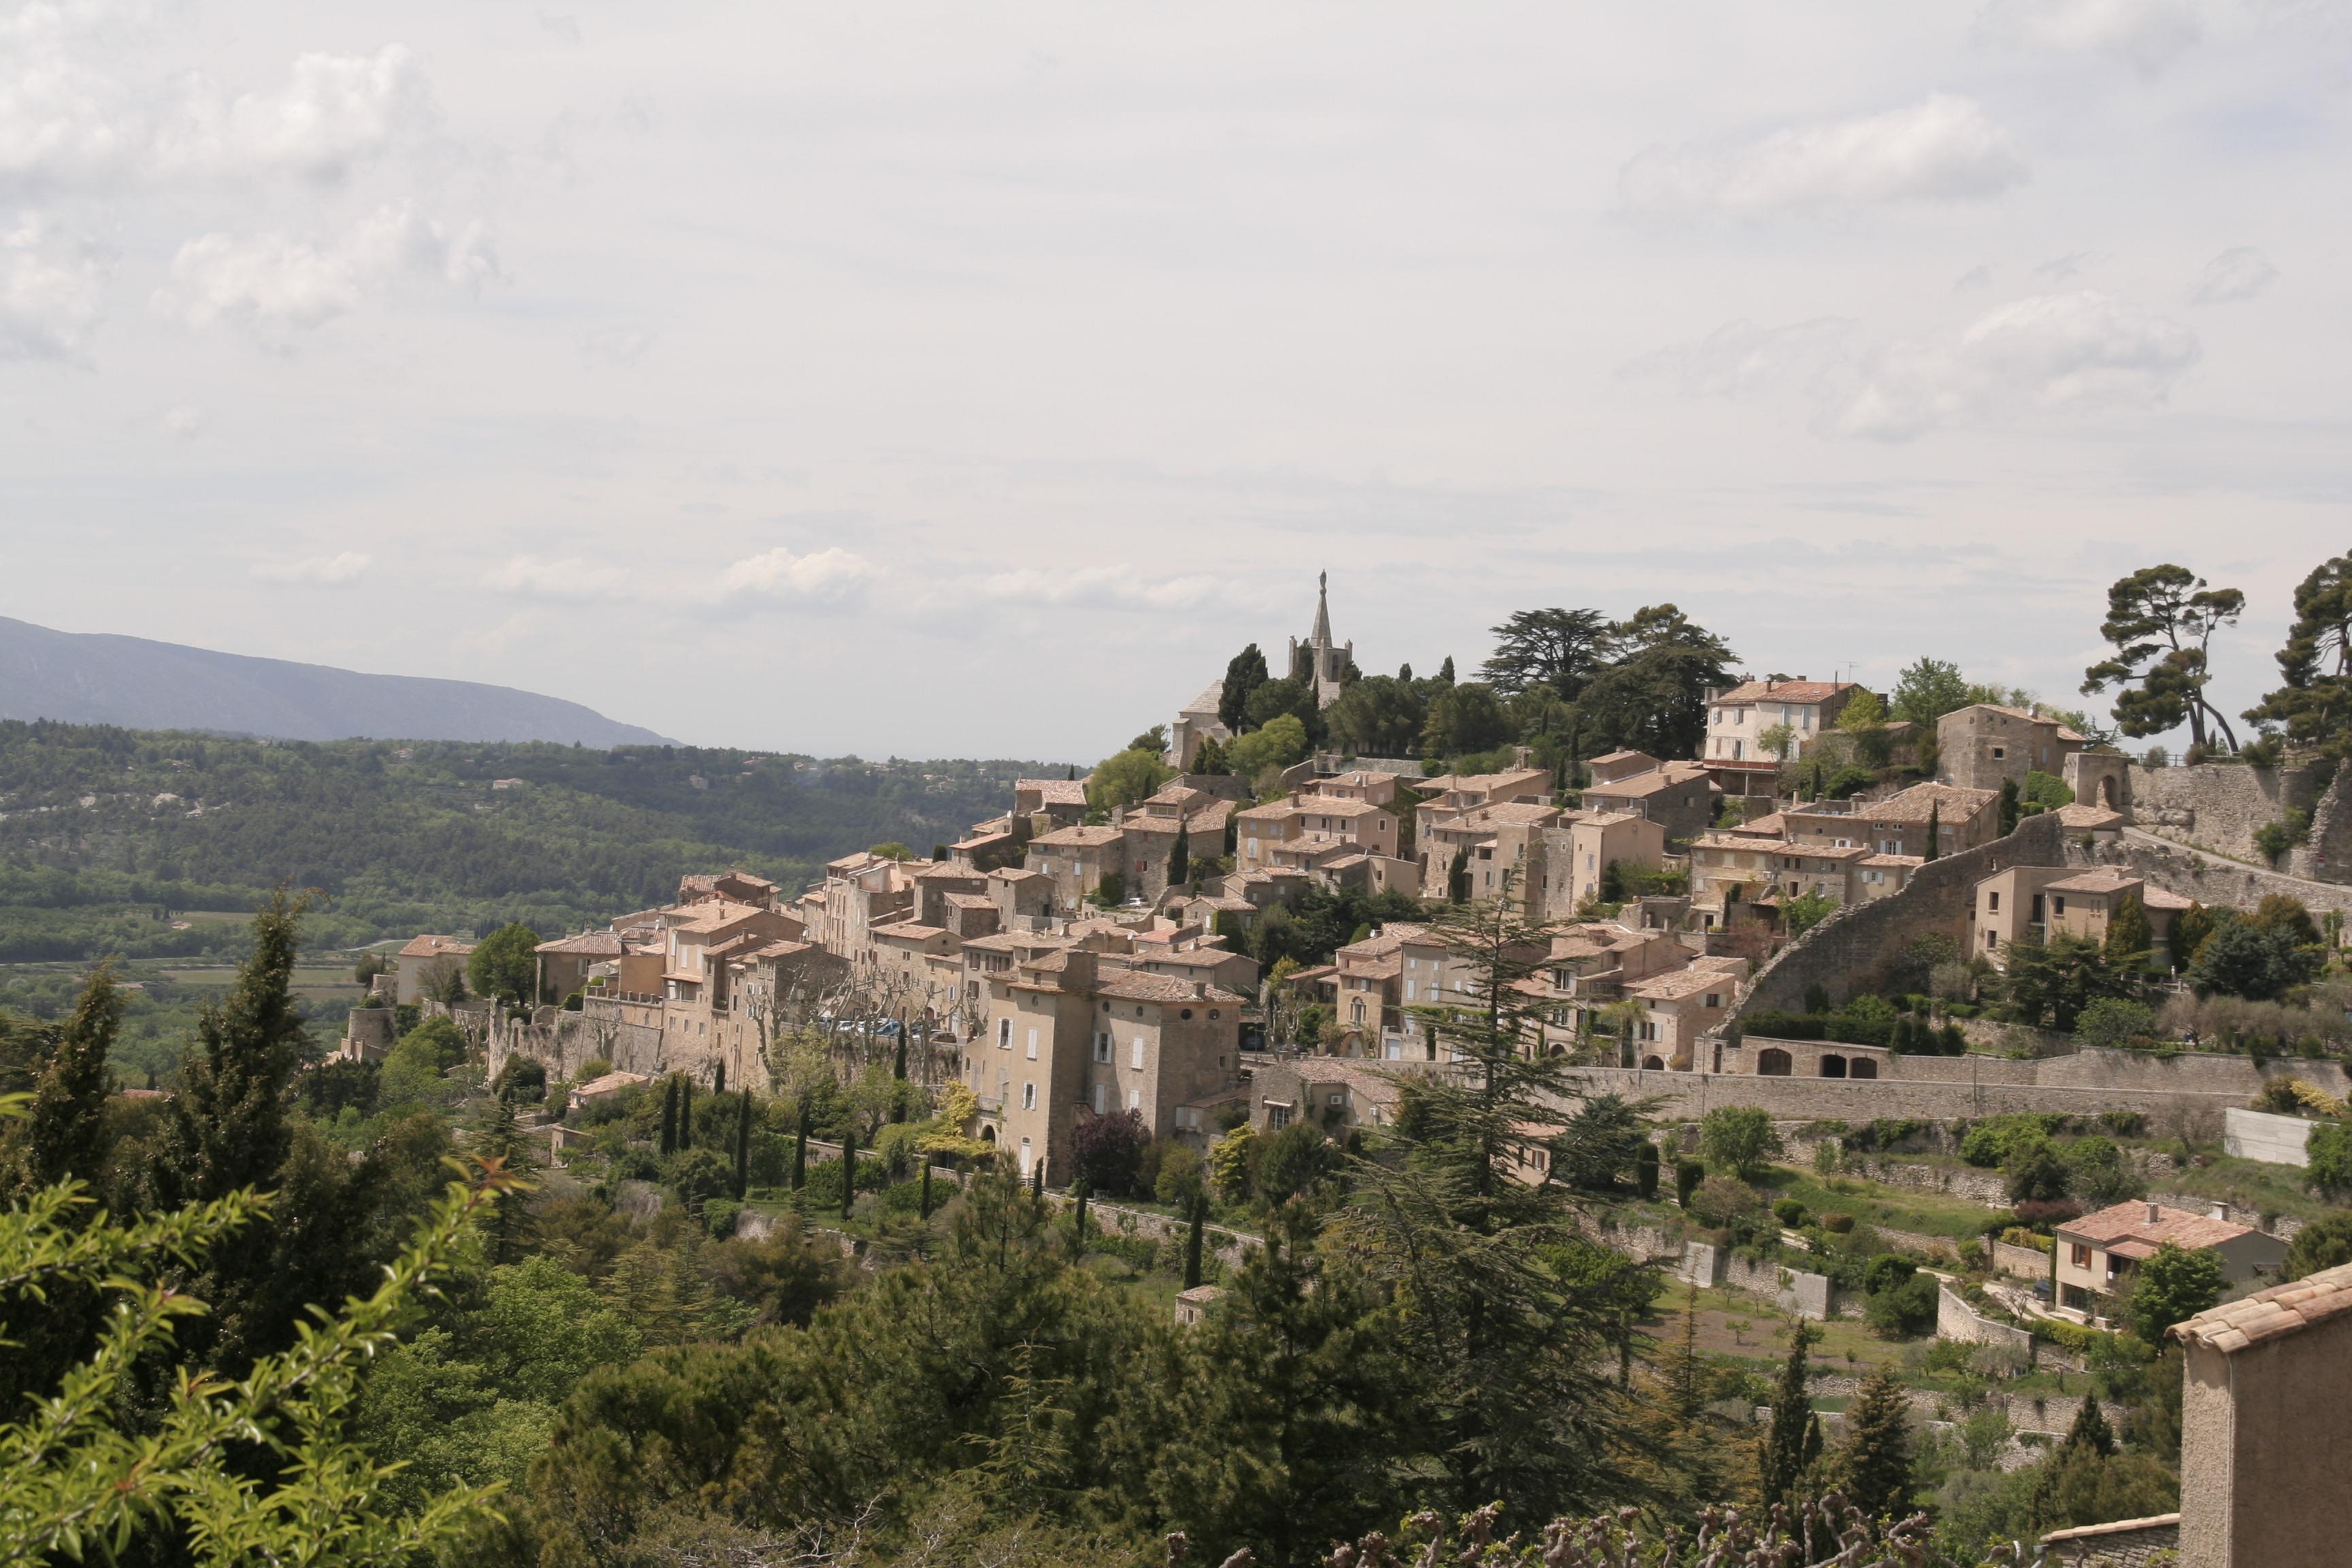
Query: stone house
(564, 963)
(1738, 716)
(1677, 796)
(2097, 1252)
(1074, 860)
(1898, 824)
(1336, 1096)
(1679, 1007)
(1495, 843)
(1985, 744)
(422, 956)
(1572, 855)
(2042, 901)
(1589, 966)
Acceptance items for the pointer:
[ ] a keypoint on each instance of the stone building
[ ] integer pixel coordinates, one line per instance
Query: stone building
(1321, 661)
(1979, 746)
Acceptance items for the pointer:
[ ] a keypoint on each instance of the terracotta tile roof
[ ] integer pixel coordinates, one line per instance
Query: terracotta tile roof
(1780, 692)
(2160, 899)
(1912, 861)
(2129, 1222)
(2271, 1314)
(1678, 985)
(781, 950)
(589, 943)
(436, 947)
(2098, 880)
(908, 930)
(1639, 787)
(1620, 755)
(1954, 804)
(1054, 792)
(1771, 825)
(1133, 986)
(1079, 837)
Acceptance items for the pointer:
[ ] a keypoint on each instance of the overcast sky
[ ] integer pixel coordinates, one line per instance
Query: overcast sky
(977, 378)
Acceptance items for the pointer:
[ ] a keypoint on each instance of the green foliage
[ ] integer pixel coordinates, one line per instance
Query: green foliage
(77, 1484)
(2046, 790)
(1124, 779)
(2244, 958)
(1280, 742)
(505, 964)
(1927, 690)
(2277, 838)
(1739, 1139)
(1793, 1440)
(1806, 910)
(1602, 1140)
(2172, 1286)
(411, 1071)
(2048, 984)
(1243, 675)
(1904, 1310)
(2328, 1152)
(1875, 1463)
(1107, 1151)
(2160, 622)
(2313, 703)
(2117, 1024)
(2325, 1243)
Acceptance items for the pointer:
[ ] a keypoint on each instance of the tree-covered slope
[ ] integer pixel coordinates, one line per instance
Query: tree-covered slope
(107, 835)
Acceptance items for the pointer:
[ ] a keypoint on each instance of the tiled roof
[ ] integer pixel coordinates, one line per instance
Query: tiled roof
(2271, 1314)
(1913, 861)
(1681, 983)
(436, 947)
(2098, 880)
(588, 944)
(2129, 1222)
(1620, 754)
(1639, 786)
(2082, 818)
(1771, 825)
(1055, 792)
(1782, 691)
(1952, 802)
(2160, 899)
(1133, 986)
(1081, 838)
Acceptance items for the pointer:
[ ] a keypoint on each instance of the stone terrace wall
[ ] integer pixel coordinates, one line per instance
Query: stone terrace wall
(2219, 804)
(1856, 942)
(2327, 855)
(2211, 882)
(1956, 1320)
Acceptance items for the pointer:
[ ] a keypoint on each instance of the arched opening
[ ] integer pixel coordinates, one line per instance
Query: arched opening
(1772, 1062)
(1653, 1063)
(1832, 1067)
(1862, 1067)
(987, 1134)
(2107, 791)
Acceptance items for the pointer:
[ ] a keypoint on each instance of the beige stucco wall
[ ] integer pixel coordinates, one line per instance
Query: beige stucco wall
(2263, 1446)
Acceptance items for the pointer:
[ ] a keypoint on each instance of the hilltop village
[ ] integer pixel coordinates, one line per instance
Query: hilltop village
(1963, 1025)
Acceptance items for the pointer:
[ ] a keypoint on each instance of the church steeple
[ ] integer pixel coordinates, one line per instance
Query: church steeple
(1322, 637)
(1321, 662)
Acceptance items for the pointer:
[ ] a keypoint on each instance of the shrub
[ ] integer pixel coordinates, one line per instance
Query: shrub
(1720, 1200)
(1739, 1139)
(700, 1175)
(1107, 1151)
(1789, 1212)
(719, 1216)
(2328, 1154)
(1886, 1271)
(1688, 1174)
(1906, 1311)
(2042, 1215)
(1837, 1224)
(1646, 1171)
(2114, 1023)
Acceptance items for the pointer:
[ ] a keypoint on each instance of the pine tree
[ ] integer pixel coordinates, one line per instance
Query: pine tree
(1683, 1369)
(744, 1149)
(1934, 831)
(1784, 1457)
(668, 1142)
(1875, 1464)
(2090, 1430)
(1192, 1239)
(2130, 938)
(65, 1138)
(1505, 1310)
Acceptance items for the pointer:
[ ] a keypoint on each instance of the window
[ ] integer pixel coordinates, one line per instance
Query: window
(1992, 901)
(1135, 1100)
(1135, 1055)
(1714, 998)
(1028, 1097)
(1277, 1117)
(1999, 752)
(1004, 1034)
(2080, 1256)
(1099, 1094)
(2058, 903)
(1032, 1044)
(1102, 1047)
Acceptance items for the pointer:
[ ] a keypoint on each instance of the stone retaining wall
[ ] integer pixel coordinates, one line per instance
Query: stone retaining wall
(2212, 882)
(2219, 805)
(1956, 1320)
(2021, 1262)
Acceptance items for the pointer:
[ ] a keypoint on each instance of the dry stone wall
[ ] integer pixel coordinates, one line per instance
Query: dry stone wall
(1956, 1320)
(2219, 805)
(2327, 855)
(2210, 879)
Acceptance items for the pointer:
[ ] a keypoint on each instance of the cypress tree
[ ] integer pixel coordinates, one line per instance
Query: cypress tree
(1037, 1179)
(2008, 806)
(1457, 879)
(1645, 1170)
(1193, 1240)
(718, 1078)
(923, 1198)
(1875, 1465)
(1179, 856)
(2130, 939)
(2090, 1430)
(898, 1073)
(668, 1143)
(1684, 1372)
(1783, 1457)
(64, 1137)
(848, 1169)
(800, 1151)
(1080, 1189)
(684, 1112)
(1934, 830)
(744, 1149)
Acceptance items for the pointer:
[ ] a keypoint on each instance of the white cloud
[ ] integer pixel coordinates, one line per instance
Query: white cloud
(2069, 354)
(276, 284)
(333, 571)
(49, 293)
(569, 578)
(1105, 587)
(2241, 272)
(826, 575)
(335, 111)
(2149, 35)
(1943, 148)
(186, 420)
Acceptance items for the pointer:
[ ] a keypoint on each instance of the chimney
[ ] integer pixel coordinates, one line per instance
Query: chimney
(2221, 1210)
(2154, 1213)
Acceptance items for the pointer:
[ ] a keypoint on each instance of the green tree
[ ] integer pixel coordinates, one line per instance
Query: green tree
(1793, 1439)
(1280, 742)
(890, 850)
(2171, 1285)
(2130, 938)
(1457, 879)
(1295, 695)
(505, 964)
(2009, 802)
(2256, 962)
(1927, 690)
(1243, 675)
(2190, 927)
(1875, 1463)
(1463, 719)
(1379, 715)
(2325, 1243)
(2327, 1155)
(2116, 1023)
(1780, 740)
(1124, 779)
(2050, 983)
(1180, 858)
(1739, 1139)
(77, 1483)
(1653, 697)
(2160, 622)
(1501, 1310)
(1806, 910)
(1560, 650)
(2313, 703)
(64, 1137)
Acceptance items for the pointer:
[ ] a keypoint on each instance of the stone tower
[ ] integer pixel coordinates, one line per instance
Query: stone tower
(1319, 660)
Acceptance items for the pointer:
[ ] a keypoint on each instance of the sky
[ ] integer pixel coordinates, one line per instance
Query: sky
(976, 379)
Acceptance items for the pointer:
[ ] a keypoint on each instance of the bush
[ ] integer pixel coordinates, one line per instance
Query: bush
(1837, 1224)
(1887, 1271)
(1720, 1200)
(1739, 1139)
(1791, 1213)
(2328, 1152)
(719, 1216)
(700, 1175)
(1646, 1171)
(1688, 1174)
(2114, 1023)
(1107, 1151)
(1906, 1311)
(2041, 1216)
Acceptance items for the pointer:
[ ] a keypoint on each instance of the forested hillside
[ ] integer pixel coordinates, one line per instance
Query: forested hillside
(109, 837)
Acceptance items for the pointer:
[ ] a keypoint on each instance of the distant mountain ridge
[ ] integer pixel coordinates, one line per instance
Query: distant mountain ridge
(96, 678)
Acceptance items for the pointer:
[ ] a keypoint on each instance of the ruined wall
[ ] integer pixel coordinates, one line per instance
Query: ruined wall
(2217, 804)
(2327, 855)
(1856, 942)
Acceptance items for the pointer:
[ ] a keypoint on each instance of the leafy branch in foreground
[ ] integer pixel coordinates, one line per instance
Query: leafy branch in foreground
(72, 1480)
